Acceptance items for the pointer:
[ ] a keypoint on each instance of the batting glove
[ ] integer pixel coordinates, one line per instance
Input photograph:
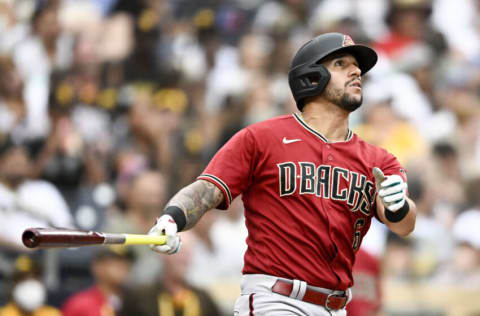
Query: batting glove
(165, 225)
(392, 190)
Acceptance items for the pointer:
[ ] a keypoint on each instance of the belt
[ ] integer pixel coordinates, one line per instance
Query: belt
(329, 301)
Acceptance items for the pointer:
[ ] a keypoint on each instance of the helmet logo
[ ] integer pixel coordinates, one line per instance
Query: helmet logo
(347, 41)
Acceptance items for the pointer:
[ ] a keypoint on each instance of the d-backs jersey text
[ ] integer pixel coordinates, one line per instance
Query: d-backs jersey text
(308, 202)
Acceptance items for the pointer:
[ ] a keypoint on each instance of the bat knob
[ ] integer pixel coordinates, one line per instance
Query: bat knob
(29, 238)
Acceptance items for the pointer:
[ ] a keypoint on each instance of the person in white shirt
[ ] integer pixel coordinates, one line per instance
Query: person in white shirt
(26, 202)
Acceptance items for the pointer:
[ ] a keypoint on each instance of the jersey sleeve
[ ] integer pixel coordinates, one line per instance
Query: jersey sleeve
(231, 169)
(391, 166)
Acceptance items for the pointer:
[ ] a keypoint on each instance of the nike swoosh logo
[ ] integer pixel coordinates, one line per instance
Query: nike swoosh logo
(288, 141)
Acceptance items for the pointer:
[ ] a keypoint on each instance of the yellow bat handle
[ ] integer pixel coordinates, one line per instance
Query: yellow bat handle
(134, 239)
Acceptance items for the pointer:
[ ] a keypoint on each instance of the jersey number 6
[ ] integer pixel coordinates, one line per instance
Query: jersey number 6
(359, 223)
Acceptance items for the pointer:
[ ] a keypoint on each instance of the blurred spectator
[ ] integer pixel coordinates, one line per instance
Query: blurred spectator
(409, 24)
(26, 202)
(445, 179)
(464, 268)
(235, 68)
(74, 155)
(260, 102)
(398, 262)
(153, 119)
(432, 241)
(411, 53)
(110, 267)
(145, 196)
(151, 52)
(221, 242)
(461, 28)
(172, 294)
(468, 133)
(28, 293)
(129, 162)
(44, 50)
(12, 107)
(383, 127)
(61, 160)
(367, 289)
(283, 16)
(15, 24)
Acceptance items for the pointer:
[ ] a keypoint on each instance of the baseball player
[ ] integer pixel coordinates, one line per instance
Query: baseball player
(310, 187)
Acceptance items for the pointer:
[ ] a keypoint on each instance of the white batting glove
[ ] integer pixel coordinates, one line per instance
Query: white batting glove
(392, 190)
(165, 225)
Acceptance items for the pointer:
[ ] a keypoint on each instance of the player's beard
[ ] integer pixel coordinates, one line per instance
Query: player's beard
(343, 99)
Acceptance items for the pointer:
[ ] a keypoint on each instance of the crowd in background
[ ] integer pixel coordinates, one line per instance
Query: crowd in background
(108, 107)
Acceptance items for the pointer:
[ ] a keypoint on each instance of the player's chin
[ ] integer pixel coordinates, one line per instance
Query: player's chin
(350, 102)
(354, 97)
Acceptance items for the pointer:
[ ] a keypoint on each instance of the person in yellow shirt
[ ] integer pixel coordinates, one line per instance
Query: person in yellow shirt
(384, 128)
(28, 293)
(11, 309)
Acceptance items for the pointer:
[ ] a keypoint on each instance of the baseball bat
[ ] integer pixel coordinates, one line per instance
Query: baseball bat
(65, 238)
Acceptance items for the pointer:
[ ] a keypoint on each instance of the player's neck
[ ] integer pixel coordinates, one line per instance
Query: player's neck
(327, 119)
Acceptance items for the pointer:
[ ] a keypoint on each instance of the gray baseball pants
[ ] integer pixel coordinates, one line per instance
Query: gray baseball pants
(257, 299)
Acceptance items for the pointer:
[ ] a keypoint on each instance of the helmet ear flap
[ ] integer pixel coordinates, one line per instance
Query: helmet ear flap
(324, 78)
(308, 81)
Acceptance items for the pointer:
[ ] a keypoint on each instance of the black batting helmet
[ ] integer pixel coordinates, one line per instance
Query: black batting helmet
(307, 77)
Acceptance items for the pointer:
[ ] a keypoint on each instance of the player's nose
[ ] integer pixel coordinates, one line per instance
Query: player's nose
(355, 71)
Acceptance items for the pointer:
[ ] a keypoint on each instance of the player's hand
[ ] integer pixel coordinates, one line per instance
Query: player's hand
(392, 190)
(165, 225)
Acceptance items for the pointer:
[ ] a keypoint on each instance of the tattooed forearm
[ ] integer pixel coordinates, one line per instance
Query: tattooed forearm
(196, 199)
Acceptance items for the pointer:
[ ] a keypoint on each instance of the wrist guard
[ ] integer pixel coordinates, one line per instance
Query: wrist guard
(178, 216)
(397, 216)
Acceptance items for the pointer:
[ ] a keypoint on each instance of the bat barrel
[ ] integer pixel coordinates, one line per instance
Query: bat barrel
(50, 238)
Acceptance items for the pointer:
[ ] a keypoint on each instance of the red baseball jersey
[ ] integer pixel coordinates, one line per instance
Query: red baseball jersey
(308, 202)
(367, 293)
